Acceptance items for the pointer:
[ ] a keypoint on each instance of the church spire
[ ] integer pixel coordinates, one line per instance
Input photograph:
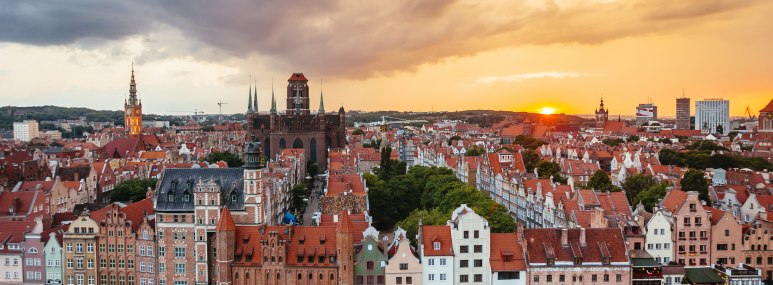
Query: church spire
(273, 101)
(249, 100)
(255, 103)
(132, 89)
(321, 99)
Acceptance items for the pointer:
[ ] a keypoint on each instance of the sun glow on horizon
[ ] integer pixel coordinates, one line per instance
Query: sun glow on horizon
(547, 110)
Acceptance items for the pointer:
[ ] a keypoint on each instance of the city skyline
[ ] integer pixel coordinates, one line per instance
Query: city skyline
(519, 56)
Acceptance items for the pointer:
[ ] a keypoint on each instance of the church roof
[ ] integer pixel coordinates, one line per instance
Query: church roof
(768, 108)
(297, 77)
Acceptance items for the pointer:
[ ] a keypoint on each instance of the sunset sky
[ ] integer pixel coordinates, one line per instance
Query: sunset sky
(389, 55)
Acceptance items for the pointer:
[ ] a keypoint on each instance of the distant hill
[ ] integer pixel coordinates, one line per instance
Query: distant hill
(10, 114)
(484, 118)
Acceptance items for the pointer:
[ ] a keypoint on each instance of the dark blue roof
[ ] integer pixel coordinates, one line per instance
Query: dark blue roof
(181, 181)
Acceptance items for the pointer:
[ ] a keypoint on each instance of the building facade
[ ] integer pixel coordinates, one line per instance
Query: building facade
(80, 251)
(437, 254)
(471, 237)
(403, 265)
(25, 130)
(683, 113)
(53, 258)
(712, 116)
(659, 237)
(602, 115)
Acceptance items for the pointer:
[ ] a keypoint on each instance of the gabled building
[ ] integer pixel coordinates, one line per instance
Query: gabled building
(80, 254)
(471, 237)
(659, 243)
(691, 228)
(579, 255)
(403, 265)
(507, 260)
(370, 258)
(726, 247)
(436, 249)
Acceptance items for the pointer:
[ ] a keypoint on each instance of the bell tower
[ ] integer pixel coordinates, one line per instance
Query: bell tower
(297, 95)
(132, 110)
(345, 248)
(602, 115)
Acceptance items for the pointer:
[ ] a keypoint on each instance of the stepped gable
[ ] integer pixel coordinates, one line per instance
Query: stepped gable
(180, 181)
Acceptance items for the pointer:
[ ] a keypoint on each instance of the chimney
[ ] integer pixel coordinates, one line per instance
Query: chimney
(564, 237)
(582, 237)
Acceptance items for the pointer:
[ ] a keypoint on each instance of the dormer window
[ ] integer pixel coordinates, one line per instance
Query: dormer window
(234, 198)
(186, 198)
(436, 245)
(170, 197)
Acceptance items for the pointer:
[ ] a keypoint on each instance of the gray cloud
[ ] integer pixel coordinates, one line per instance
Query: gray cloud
(344, 38)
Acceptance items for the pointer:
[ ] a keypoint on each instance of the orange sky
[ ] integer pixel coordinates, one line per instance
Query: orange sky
(401, 55)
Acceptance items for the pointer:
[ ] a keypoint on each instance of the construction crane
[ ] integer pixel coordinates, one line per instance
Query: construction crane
(749, 113)
(220, 105)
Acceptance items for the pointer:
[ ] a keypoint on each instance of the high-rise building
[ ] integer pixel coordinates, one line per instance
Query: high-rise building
(133, 110)
(683, 113)
(645, 113)
(26, 130)
(712, 116)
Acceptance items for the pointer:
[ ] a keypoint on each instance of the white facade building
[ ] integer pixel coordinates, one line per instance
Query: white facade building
(437, 255)
(658, 238)
(712, 113)
(26, 130)
(471, 238)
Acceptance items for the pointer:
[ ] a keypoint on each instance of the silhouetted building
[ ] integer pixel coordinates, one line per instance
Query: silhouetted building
(683, 113)
(602, 115)
(297, 127)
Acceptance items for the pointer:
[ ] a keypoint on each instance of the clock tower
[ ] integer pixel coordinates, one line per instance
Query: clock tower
(602, 115)
(132, 110)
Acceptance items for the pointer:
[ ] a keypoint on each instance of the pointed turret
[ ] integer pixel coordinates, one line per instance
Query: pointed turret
(132, 89)
(226, 222)
(345, 245)
(249, 100)
(224, 239)
(344, 223)
(321, 102)
(273, 100)
(255, 103)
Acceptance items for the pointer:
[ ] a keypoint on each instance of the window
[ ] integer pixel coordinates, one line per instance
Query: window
(409, 280)
(403, 266)
(549, 278)
(90, 247)
(442, 262)
(727, 232)
(478, 263)
(142, 251)
(594, 278)
(464, 249)
(369, 264)
(475, 234)
(431, 277)
(69, 263)
(536, 278)
(149, 251)
(436, 245)
(69, 247)
(561, 278)
(464, 278)
(161, 251)
(606, 277)
(478, 278)
(431, 262)
(398, 280)
(477, 248)
(442, 276)
(463, 263)
(466, 234)
(179, 252)
(179, 268)
(90, 264)
(619, 278)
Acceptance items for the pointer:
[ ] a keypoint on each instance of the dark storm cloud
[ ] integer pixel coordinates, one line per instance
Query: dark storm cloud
(344, 38)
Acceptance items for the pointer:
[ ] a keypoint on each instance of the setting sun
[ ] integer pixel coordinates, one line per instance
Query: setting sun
(547, 111)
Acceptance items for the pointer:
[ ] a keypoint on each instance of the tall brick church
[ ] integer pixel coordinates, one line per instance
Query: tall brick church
(298, 127)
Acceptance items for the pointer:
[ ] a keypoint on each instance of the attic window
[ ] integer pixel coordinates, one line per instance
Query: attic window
(436, 245)
(234, 197)
(186, 198)
(170, 197)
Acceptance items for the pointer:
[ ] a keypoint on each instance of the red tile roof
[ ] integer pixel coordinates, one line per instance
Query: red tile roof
(22, 202)
(542, 243)
(614, 203)
(442, 234)
(297, 76)
(674, 199)
(226, 222)
(506, 245)
(768, 108)
(344, 223)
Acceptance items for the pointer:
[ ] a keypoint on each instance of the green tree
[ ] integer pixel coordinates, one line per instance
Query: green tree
(454, 138)
(132, 190)
(694, 180)
(358, 132)
(649, 197)
(545, 169)
(475, 151)
(635, 184)
(530, 159)
(312, 168)
(434, 217)
(612, 142)
(633, 138)
(231, 159)
(600, 181)
(298, 193)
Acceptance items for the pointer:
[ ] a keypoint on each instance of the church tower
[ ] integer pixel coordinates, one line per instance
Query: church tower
(297, 95)
(602, 115)
(345, 248)
(132, 110)
(225, 239)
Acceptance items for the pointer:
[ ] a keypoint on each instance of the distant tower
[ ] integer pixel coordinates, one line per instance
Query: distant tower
(133, 110)
(683, 113)
(345, 245)
(297, 95)
(602, 115)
